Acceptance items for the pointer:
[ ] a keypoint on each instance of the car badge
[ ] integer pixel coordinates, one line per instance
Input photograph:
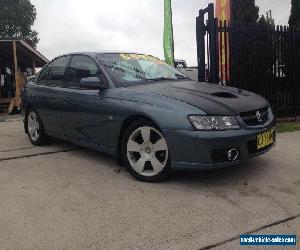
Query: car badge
(259, 117)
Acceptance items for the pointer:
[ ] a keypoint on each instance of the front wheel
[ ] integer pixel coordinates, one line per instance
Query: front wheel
(35, 128)
(145, 152)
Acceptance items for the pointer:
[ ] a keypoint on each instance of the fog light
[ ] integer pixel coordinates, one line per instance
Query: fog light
(232, 154)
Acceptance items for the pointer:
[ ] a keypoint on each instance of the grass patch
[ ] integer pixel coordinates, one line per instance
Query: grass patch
(283, 127)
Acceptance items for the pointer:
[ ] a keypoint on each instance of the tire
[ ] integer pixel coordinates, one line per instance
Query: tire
(35, 128)
(144, 151)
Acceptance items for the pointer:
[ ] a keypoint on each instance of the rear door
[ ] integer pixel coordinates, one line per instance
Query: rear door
(48, 97)
(85, 111)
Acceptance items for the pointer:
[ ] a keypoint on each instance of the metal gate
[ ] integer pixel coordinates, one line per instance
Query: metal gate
(264, 59)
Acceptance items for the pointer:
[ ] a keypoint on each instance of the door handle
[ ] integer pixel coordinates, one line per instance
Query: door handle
(70, 103)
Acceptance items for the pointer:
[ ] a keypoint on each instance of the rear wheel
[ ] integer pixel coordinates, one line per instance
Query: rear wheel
(145, 152)
(35, 128)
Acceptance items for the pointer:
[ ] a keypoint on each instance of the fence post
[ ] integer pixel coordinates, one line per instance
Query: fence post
(213, 46)
(201, 29)
(217, 50)
(294, 85)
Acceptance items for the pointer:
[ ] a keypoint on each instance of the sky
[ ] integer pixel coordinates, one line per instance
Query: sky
(131, 26)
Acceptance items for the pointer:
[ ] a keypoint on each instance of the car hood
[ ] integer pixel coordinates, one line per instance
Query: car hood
(211, 98)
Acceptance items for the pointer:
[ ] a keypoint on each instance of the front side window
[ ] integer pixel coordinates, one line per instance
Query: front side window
(58, 68)
(131, 69)
(44, 74)
(81, 67)
(54, 73)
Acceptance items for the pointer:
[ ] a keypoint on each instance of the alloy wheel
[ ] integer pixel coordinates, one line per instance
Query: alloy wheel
(147, 151)
(33, 126)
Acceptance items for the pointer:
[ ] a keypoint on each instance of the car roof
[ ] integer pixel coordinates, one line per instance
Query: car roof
(95, 54)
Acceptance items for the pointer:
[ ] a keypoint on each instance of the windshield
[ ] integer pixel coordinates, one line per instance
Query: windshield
(131, 69)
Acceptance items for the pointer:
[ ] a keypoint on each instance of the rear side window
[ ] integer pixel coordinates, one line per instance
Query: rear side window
(58, 68)
(54, 73)
(81, 66)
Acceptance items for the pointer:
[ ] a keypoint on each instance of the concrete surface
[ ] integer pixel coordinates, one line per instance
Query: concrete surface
(63, 197)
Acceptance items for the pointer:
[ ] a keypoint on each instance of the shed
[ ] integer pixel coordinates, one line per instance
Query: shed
(18, 60)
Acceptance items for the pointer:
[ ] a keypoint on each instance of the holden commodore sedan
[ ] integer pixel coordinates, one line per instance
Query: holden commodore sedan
(146, 113)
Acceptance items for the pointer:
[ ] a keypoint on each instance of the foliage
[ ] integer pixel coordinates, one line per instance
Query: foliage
(294, 20)
(244, 12)
(267, 21)
(16, 20)
(244, 15)
(283, 127)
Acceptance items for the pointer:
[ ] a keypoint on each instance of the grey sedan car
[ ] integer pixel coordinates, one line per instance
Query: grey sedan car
(146, 113)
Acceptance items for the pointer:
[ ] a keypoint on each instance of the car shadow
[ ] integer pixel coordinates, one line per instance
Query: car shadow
(242, 171)
(241, 174)
(234, 185)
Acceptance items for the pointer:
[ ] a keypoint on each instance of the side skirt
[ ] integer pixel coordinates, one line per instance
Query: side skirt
(85, 144)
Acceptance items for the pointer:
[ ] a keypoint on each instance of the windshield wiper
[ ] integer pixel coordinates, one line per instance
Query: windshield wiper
(182, 77)
(164, 79)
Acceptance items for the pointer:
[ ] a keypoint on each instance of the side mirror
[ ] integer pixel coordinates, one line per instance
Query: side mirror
(92, 83)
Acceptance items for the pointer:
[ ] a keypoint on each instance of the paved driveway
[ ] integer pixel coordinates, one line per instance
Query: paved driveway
(64, 197)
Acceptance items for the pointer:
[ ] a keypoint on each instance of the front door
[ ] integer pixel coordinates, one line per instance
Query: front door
(85, 115)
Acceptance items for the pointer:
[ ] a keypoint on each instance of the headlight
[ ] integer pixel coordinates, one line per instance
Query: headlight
(200, 122)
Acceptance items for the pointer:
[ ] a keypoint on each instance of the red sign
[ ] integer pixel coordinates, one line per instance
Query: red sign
(223, 13)
(223, 10)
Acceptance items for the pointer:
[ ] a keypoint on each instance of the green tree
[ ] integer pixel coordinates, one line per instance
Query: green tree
(267, 21)
(294, 23)
(16, 20)
(244, 12)
(266, 49)
(294, 20)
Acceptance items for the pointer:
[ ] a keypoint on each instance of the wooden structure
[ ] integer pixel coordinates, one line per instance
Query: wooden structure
(18, 60)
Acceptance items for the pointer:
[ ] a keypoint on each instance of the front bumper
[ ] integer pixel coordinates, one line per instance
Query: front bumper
(197, 149)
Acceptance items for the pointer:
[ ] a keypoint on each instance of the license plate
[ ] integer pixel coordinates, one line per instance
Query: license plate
(265, 139)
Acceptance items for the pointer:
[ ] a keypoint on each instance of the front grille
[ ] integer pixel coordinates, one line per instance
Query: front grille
(250, 118)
